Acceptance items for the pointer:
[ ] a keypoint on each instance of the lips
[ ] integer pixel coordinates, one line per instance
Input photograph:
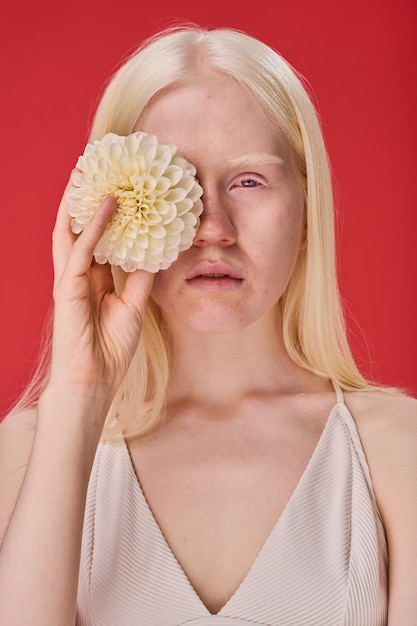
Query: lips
(214, 278)
(214, 271)
(213, 275)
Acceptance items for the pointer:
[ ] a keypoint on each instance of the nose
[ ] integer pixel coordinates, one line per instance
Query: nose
(216, 224)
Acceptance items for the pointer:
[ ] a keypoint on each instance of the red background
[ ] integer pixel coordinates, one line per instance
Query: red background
(360, 58)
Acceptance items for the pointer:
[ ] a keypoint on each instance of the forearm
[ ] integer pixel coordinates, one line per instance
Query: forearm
(39, 558)
(96, 334)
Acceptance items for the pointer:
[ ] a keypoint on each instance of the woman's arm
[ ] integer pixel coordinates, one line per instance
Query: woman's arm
(16, 440)
(39, 558)
(388, 428)
(96, 333)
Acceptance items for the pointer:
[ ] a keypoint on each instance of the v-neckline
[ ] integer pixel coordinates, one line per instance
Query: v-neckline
(284, 513)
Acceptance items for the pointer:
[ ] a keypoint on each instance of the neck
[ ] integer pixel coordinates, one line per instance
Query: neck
(219, 369)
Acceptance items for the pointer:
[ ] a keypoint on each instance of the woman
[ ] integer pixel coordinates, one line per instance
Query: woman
(246, 473)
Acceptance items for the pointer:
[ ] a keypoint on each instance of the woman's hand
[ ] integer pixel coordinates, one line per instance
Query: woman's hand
(96, 331)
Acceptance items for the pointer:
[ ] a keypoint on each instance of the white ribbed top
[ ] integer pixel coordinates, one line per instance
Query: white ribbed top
(324, 563)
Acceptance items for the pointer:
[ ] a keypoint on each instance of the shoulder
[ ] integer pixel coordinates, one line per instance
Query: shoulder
(387, 423)
(17, 432)
(387, 426)
(379, 401)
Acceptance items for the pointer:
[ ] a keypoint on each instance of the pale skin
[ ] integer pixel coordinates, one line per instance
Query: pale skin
(242, 418)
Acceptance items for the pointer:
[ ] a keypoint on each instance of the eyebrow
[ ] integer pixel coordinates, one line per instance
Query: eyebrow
(257, 159)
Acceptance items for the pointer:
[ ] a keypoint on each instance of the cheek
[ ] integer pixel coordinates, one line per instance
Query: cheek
(284, 236)
(279, 252)
(293, 227)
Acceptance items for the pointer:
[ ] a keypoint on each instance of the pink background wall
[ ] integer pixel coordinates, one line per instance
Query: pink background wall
(360, 58)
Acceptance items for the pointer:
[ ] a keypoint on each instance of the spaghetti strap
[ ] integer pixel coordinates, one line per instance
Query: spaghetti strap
(340, 396)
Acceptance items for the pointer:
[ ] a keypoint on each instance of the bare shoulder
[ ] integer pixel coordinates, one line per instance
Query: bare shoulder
(387, 426)
(384, 411)
(383, 419)
(17, 431)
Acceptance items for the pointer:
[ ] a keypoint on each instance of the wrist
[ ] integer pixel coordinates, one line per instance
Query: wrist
(74, 407)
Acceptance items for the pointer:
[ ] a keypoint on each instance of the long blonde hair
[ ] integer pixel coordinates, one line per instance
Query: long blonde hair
(313, 324)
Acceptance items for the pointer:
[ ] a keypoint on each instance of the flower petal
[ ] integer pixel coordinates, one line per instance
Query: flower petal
(158, 200)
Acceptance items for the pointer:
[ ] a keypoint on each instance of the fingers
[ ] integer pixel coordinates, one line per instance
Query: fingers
(62, 238)
(81, 256)
(77, 251)
(74, 254)
(136, 291)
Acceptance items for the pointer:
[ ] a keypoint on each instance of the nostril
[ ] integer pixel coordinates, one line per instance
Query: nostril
(216, 222)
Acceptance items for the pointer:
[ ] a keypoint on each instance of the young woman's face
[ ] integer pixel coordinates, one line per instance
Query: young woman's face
(252, 226)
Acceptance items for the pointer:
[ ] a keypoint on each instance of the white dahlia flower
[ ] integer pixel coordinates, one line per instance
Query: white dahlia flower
(158, 200)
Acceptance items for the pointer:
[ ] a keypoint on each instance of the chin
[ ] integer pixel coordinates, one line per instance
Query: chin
(213, 328)
(216, 318)
(216, 322)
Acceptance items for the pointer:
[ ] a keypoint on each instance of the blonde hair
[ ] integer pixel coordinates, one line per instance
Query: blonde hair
(313, 324)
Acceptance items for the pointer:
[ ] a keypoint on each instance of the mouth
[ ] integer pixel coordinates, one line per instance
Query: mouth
(214, 282)
(213, 276)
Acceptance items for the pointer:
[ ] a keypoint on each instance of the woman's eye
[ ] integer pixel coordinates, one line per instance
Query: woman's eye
(249, 182)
